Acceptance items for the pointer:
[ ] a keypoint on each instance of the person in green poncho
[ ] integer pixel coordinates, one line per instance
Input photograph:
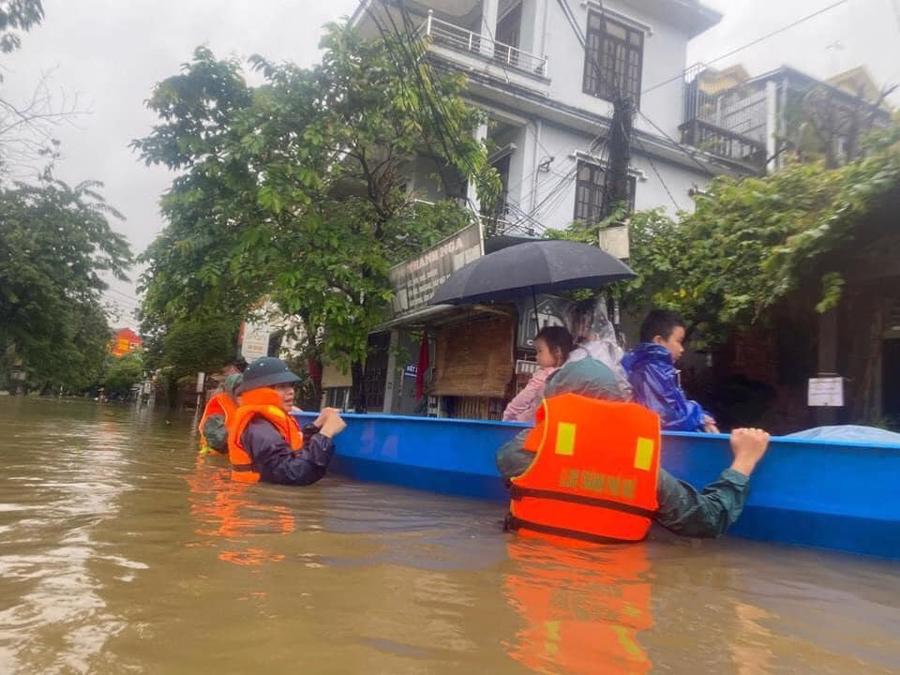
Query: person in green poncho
(220, 407)
(682, 508)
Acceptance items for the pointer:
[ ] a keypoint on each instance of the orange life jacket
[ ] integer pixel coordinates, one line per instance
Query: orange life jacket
(262, 402)
(223, 404)
(595, 473)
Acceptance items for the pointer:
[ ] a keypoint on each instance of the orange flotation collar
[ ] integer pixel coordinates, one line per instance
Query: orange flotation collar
(264, 402)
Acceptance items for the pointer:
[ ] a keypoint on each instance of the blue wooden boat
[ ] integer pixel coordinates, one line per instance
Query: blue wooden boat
(826, 494)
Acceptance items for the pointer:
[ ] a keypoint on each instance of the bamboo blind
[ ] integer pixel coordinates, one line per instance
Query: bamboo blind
(475, 358)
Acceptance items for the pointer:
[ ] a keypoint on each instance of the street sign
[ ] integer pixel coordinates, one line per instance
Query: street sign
(826, 392)
(551, 311)
(256, 340)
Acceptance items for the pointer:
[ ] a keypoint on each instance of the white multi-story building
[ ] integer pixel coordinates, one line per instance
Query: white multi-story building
(549, 96)
(546, 72)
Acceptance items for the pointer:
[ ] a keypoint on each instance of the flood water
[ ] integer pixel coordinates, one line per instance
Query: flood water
(121, 552)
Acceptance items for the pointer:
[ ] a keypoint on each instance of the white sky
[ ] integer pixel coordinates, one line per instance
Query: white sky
(110, 53)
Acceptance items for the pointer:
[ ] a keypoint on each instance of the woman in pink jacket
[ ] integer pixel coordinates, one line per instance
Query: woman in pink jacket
(553, 345)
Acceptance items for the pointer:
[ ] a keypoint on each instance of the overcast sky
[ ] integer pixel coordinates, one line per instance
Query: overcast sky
(111, 53)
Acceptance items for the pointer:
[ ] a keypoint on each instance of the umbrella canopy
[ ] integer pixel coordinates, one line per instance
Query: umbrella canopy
(538, 266)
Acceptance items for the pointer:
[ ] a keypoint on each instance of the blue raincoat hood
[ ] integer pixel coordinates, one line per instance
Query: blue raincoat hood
(644, 353)
(654, 382)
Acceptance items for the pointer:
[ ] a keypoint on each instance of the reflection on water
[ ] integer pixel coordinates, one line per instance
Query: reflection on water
(229, 514)
(581, 606)
(121, 551)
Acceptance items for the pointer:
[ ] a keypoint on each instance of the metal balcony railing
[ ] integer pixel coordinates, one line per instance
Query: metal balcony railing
(730, 123)
(717, 141)
(463, 40)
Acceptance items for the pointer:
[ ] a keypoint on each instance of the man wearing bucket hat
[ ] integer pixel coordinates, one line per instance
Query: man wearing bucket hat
(265, 442)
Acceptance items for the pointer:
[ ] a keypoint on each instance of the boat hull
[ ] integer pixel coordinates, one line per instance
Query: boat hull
(823, 494)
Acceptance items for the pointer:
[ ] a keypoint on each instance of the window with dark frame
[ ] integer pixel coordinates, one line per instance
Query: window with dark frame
(589, 189)
(336, 397)
(614, 57)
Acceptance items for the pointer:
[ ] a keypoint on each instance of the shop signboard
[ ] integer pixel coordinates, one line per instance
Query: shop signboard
(416, 280)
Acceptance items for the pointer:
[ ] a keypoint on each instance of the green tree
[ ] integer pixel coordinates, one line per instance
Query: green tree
(753, 242)
(297, 189)
(16, 17)
(122, 373)
(55, 243)
(192, 346)
(821, 123)
(186, 346)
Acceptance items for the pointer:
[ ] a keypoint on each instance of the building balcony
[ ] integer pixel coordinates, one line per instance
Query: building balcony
(725, 117)
(491, 64)
(462, 40)
(724, 143)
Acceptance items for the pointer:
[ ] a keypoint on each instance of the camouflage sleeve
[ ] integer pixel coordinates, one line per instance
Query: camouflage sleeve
(512, 458)
(215, 433)
(701, 513)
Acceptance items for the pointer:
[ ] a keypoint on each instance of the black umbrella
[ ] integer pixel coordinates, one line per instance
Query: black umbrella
(528, 269)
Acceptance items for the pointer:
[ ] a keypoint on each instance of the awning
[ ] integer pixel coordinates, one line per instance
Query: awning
(418, 316)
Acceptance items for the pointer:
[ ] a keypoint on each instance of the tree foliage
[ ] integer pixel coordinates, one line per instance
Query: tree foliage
(298, 189)
(122, 373)
(55, 243)
(16, 17)
(823, 124)
(191, 346)
(752, 242)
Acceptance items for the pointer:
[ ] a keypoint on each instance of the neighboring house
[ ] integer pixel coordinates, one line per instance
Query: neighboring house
(549, 103)
(763, 121)
(124, 342)
(766, 121)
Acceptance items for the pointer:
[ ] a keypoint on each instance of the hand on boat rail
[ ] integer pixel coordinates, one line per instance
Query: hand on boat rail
(330, 423)
(748, 446)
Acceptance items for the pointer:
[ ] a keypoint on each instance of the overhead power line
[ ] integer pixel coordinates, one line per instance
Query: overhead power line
(659, 175)
(564, 4)
(752, 43)
(124, 295)
(408, 61)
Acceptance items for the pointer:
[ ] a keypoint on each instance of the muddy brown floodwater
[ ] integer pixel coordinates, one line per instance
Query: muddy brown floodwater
(121, 552)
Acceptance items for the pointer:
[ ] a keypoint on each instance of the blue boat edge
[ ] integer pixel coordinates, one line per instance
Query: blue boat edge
(822, 494)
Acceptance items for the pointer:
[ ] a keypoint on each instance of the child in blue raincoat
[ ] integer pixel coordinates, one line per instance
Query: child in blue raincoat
(651, 371)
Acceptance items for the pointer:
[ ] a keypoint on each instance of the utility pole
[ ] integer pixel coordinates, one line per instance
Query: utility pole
(615, 187)
(619, 144)
(615, 183)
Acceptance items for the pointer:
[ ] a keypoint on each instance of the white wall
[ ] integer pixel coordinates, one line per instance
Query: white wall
(664, 56)
(547, 195)
(651, 189)
(519, 166)
(559, 208)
